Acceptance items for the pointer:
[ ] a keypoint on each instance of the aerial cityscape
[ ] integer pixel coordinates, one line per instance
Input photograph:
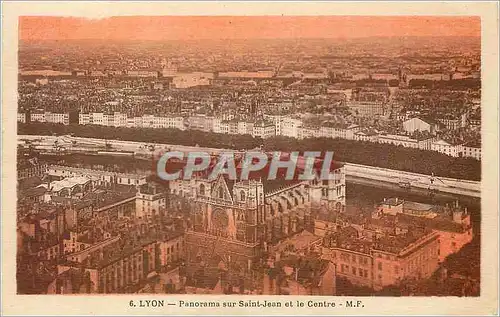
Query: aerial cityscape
(399, 108)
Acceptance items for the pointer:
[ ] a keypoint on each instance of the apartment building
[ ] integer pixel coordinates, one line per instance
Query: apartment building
(290, 127)
(472, 149)
(50, 117)
(277, 120)
(452, 222)
(366, 135)
(118, 119)
(187, 80)
(448, 148)
(201, 122)
(383, 262)
(454, 122)
(21, 117)
(99, 177)
(366, 108)
(308, 132)
(149, 201)
(172, 248)
(264, 129)
(30, 168)
(407, 141)
(117, 267)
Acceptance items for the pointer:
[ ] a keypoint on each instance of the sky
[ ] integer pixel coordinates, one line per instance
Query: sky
(243, 27)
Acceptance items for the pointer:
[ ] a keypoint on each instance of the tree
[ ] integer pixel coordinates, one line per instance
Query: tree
(358, 152)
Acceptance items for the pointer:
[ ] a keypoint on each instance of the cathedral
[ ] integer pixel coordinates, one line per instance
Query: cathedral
(238, 221)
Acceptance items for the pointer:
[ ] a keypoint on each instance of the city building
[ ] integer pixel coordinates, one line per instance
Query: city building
(264, 129)
(452, 223)
(421, 125)
(334, 130)
(424, 143)
(384, 261)
(366, 108)
(49, 117)
(472, 149)
(149, 202)
(21, 117)
(452, 122)
(449, 148)
(27, 168)
(277, 120)
(308, 132)
(118, 119)
(116, 267)
(172, 248)
(290, 127)
(112, 204)
(142, 73)
(200, 122)
(248, 127)
(366, 135)
(100, 177)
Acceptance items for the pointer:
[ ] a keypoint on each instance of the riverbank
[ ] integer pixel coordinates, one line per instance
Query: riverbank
(408, 180)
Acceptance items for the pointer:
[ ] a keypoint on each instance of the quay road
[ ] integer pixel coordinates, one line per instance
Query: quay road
(414, 180)
(70, 144)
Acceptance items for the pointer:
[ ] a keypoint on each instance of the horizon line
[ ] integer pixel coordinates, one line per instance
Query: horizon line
(250, 39)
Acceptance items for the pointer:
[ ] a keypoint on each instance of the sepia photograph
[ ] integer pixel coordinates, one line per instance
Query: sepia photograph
(320, 156)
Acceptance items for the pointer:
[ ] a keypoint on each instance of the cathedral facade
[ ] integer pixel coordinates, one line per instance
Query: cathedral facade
(237, 221)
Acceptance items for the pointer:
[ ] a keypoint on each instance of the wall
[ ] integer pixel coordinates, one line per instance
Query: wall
(450, 185)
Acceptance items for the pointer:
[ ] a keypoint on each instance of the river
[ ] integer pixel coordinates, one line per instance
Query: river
(359, 191)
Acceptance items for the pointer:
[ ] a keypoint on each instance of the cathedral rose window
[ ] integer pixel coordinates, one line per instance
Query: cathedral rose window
(220, 219)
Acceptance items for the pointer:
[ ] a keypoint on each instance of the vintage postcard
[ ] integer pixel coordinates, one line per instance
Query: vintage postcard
(213, 158)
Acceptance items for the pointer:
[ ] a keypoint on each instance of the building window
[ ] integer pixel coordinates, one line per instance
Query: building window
(380, 266)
